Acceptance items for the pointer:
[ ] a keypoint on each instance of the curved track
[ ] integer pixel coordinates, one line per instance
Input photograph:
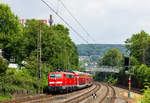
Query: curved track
(109, 96)
(27, 99)
(47, 98)
(82, 97)
(113, 96)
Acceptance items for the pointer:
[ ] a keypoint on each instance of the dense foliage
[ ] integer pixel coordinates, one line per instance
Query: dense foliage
(19, 43)
(139, 47)
(10, 31)
(57, 48)
(113, 57)
(3, 66)
(146, 96)
(106, 77)
(140, 75)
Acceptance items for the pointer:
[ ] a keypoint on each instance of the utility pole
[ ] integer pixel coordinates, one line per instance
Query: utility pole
(143, 58)
(39, 54)
(51, 20)
(67, 58)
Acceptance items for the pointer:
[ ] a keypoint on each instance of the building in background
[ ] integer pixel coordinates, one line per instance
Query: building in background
(13, 65)
(1, 53)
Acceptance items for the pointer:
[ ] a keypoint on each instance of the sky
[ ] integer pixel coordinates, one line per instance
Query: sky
(107, 21)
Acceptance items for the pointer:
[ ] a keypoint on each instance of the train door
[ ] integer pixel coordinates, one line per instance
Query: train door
(67, 79)
(77, 81)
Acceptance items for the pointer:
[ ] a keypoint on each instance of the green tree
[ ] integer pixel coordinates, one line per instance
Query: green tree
(147, 58)
(137, 45)
(10, 32)
(133, 61)
(20, 43)
(146, 96)
(57, 48)
(141, 75)
(3, 66)
(113, 57)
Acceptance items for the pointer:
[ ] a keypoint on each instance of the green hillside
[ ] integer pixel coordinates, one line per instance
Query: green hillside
(98, 49)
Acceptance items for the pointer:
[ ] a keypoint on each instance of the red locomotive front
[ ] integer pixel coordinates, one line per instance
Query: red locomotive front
(61, 81)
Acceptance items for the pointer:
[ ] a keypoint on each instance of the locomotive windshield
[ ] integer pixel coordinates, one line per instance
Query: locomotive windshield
(58, 75)
(52, 75)
(55, 75)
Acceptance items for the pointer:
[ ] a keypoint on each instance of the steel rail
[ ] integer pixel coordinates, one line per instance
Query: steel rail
(82, 97)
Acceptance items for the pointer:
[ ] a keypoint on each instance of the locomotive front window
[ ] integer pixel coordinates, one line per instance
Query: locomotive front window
(52, 75)
(67, 75)
(58, 75)
(71, 76)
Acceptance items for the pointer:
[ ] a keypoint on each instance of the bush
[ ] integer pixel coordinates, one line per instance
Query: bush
(5, 97)
(112, 80)
(3, 66)
(146, 96)
(140, 75)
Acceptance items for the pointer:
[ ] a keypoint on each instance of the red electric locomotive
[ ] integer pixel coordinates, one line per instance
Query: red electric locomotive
(68, 81)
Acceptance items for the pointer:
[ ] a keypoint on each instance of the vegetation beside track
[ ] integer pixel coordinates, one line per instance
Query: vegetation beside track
(138, 47)
(19, 43)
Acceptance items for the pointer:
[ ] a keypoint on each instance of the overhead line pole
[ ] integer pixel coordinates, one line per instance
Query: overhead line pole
(40, 50)
(40, 47)
(39, 55)
(68, 59)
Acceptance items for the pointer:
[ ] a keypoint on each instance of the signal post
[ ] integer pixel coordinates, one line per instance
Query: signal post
(129, 92)
(127, 67)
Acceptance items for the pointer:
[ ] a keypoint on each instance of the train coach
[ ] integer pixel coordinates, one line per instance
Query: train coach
(68, 81)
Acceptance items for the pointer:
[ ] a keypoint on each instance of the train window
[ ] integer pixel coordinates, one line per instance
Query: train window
(52, 75)
(71, 76)
(67, 76)
(58, 75)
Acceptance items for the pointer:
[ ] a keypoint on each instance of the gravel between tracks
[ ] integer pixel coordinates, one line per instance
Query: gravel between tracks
(107, 94)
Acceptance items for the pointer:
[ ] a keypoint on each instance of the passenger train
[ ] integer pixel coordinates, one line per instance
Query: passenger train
(65, 81)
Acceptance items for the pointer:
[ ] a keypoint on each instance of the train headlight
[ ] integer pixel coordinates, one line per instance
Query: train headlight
(60, 82)
(51, 82)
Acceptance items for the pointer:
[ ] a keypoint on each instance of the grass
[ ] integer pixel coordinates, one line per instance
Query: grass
(5, 97)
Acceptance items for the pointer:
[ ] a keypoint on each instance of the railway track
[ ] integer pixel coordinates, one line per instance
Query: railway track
(112, 97)
(83, 96)
(27, 99)
(42, 98)
(109, 96)
(110, 92)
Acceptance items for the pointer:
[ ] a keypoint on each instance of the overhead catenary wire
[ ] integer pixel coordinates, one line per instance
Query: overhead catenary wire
(52, 5)
(88, 34)
(64, 21)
